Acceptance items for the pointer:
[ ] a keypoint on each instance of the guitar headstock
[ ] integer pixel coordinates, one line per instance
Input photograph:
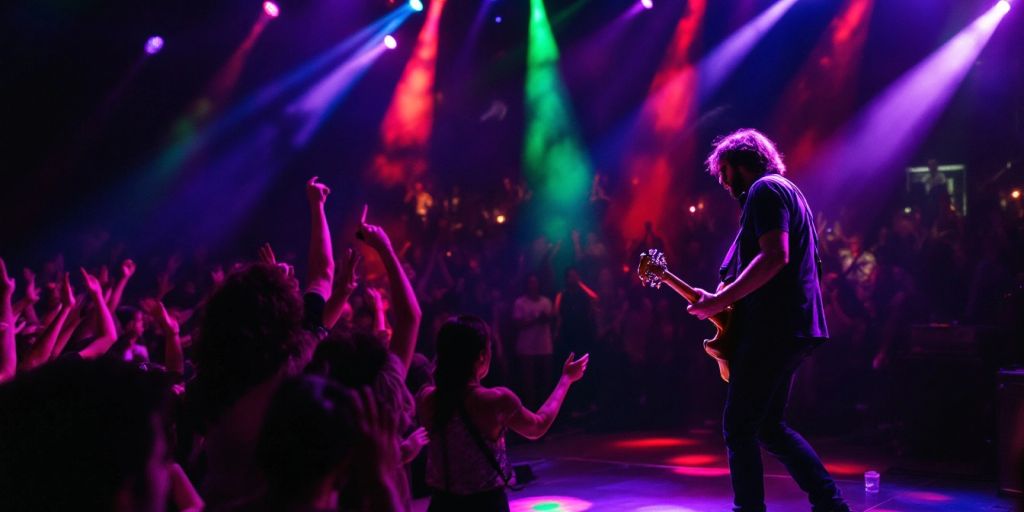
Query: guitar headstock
(652, 267)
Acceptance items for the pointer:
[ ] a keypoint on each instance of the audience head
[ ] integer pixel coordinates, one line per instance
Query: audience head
(132, 320)
(84, 435)
(250, 331)
(307, 440)
(463, 354)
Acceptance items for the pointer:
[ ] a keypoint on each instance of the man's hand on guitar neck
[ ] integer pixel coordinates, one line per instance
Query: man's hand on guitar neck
(709, 304)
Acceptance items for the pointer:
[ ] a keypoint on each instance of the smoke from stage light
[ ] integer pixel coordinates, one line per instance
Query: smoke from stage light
(390, 42)
(154, 45)
(271, 9)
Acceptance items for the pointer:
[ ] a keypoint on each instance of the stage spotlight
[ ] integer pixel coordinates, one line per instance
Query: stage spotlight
(417, 5)
(500, 219)
(1004, 6)
(648, 4)
(390, 42)
(693, 209)
(154, 45)
(1015, 194)
(271, 9)
(497, 19)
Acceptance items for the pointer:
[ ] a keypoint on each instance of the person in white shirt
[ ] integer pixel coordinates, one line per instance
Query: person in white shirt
(533, 314)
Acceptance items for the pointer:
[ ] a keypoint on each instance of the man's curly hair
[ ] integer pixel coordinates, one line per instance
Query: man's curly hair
(251, 328)
(749, 148)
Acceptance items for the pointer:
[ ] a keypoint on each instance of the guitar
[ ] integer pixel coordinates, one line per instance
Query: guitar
(653, 271)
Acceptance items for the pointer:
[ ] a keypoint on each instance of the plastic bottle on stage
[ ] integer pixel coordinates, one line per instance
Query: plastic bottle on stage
(872, 481)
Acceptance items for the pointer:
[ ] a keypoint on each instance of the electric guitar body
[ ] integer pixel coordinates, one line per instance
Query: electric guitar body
(653, 272)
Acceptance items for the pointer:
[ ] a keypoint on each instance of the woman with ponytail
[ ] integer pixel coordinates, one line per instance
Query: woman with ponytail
(467, 464)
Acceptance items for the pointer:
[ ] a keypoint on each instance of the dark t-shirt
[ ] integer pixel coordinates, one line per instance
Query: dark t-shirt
(790, 304)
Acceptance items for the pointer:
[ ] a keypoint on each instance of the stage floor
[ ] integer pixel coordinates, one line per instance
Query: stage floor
(667, 472)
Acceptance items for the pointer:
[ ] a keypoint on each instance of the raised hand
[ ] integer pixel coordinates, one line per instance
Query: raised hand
(31, 290)
(7, 284)
(316, 192)
(164, 284)
(103, 276)
(67, 293)
(159, 312)
(347, 282)
(128, 268)
(574, 370)
(376, 300)
(373, 235)
(92, 284)
(267, 256)
(217, 275)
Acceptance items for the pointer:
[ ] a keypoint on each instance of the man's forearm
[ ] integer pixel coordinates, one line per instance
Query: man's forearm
(761, 270)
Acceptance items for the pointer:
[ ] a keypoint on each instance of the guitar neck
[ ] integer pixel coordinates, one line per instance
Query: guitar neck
(680, 287)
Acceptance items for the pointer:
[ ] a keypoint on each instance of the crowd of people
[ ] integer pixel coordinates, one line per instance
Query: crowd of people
(265, 394)
(238, 387)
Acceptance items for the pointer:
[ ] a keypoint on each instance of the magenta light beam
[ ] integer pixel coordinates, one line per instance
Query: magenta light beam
(892, 126)
(724, 59)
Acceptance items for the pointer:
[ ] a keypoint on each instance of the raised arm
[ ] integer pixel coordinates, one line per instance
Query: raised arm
(26, 306)
(403, 298)
(127, 271)
(174, 357)
(321, 256)
(43, 349)
(8, 352)
(342, 288)
(533, 425)
(70, 327)
(108, 329)
(380, 319)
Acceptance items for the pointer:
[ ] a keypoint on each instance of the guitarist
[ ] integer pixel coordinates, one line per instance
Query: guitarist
(770, 277)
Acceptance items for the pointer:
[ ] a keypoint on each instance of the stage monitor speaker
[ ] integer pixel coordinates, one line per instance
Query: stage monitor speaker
(1010, 403)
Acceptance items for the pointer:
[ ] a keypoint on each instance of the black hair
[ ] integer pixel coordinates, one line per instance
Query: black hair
(460, 343)
(309, 431)
(75, 433)
(251, 328)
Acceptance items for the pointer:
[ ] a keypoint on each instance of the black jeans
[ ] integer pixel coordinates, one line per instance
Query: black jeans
(761, 375)
(494, 500)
